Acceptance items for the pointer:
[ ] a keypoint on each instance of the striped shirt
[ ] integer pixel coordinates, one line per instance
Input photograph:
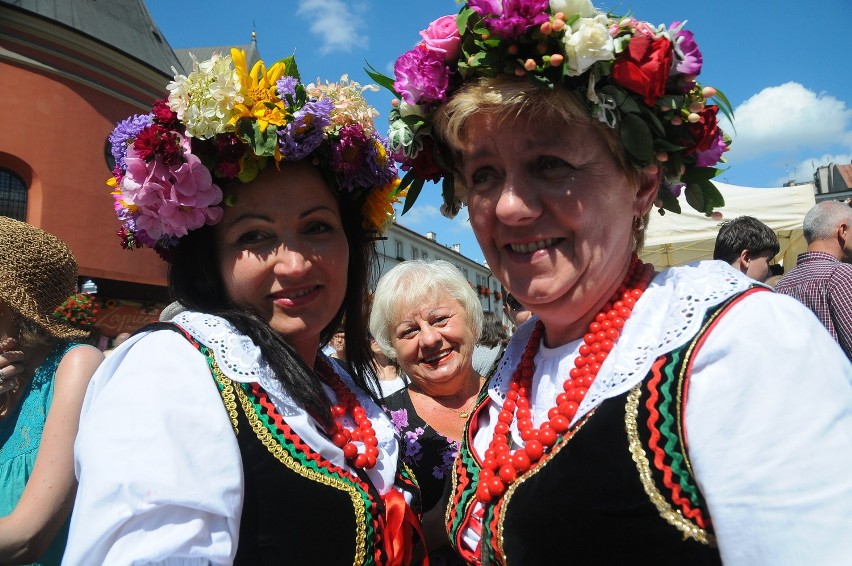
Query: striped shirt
(824, 285)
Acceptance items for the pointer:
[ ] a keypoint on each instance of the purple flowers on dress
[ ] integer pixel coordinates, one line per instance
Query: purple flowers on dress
(422, 77)
(514, 17)
(399, 419)
(413, 450)
(448, 456)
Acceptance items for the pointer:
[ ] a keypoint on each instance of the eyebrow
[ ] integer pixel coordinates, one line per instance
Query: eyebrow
(531, 145)
(267, 218)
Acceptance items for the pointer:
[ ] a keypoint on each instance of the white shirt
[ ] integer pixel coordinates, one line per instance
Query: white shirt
(161, 479)
(768, 415)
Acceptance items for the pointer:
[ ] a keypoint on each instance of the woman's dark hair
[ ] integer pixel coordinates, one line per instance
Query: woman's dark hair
(196, 282)
(493, 331)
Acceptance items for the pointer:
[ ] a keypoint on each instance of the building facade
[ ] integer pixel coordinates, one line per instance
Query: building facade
(71, 69)
(401, 244)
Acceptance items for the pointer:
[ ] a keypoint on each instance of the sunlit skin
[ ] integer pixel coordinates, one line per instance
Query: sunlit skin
(553, 213)
(434, 346)
(284, 254)
(757, 266)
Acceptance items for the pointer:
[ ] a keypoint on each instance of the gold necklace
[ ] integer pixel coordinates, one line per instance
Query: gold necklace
(465, 413)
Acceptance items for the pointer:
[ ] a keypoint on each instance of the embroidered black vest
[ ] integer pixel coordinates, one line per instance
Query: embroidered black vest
(616, 489)
(298, 508)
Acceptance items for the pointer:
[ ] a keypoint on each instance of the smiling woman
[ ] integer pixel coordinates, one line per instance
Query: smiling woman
(426, 316)
(560, 127)
(205, 440)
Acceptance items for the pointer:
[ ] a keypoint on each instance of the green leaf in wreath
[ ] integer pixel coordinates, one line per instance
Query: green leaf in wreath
(413, 193)
(637, 139)
(698, 174)
(381, 79)
(262, 143)
(695, 197)
(290, 68)
(669, 201)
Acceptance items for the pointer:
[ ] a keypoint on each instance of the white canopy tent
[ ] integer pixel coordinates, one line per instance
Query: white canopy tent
(675, 239)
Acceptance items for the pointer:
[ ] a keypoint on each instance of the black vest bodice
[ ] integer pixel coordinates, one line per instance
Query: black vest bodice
(616, 489)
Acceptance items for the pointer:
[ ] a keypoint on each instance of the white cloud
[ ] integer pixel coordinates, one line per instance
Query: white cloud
(421, 215)
(336, 22)
(803, 171)
(788, 118)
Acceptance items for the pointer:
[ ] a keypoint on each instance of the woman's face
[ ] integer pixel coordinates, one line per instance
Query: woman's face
(283, 253)
(553, 212)
(434, 344)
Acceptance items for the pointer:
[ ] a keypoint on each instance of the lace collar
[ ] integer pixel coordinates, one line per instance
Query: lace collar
(669, 313)
(241, 360)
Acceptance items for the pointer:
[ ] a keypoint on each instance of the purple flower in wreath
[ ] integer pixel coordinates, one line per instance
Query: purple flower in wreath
(124, 134)
(286, 86)
(688, 58)
(712, 155)
(304, 134)
(514, 17)
(375, 168)
(422, 77)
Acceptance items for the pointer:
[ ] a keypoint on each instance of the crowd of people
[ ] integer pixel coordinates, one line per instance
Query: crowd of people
(281, 412)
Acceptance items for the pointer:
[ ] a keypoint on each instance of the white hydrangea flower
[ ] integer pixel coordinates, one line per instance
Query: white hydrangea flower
(204, 100)
(403, 140)
(588, 41)
(411, 110)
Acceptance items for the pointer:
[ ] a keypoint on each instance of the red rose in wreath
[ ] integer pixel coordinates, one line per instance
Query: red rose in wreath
(644, 67)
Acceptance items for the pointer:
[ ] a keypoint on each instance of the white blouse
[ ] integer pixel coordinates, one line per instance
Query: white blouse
(768, 414)
(161, 479)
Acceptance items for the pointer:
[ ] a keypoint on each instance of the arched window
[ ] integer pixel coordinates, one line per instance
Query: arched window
(13, 196)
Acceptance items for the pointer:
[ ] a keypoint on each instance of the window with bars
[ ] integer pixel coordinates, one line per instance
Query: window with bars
(13, 195)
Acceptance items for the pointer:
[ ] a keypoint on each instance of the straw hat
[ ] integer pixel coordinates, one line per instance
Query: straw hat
(37, 273)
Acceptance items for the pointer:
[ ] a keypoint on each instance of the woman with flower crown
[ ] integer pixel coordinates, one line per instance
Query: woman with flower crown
(226, 436)
(683, 417)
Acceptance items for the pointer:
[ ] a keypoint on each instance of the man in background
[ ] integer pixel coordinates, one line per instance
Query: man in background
(822, 278)
(515, 311)
(747, 244)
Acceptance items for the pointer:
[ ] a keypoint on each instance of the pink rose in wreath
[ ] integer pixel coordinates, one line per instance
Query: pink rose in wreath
(442, 36)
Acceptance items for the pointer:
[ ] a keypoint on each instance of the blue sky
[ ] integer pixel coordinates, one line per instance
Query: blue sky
(782, 64)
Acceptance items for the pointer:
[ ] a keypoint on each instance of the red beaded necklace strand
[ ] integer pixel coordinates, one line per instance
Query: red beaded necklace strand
(502, 466)
(340, 435)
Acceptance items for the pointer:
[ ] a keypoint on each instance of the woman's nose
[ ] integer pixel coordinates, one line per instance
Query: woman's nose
(290, 262)
(517, 202)
(429, 336)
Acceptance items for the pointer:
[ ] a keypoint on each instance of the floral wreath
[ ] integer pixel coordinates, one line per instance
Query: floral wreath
(634, 77)
(223, 122)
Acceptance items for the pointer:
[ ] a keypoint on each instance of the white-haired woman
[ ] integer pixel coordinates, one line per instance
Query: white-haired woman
(426, 316)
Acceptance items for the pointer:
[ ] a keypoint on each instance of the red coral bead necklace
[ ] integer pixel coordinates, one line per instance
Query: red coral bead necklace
(501, 465)
(342, 437)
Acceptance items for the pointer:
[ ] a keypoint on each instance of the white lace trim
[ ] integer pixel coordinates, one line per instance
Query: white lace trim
(241, 360)
(669, 313)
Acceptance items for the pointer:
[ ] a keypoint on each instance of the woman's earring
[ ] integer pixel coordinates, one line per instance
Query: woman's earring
(638, 224)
